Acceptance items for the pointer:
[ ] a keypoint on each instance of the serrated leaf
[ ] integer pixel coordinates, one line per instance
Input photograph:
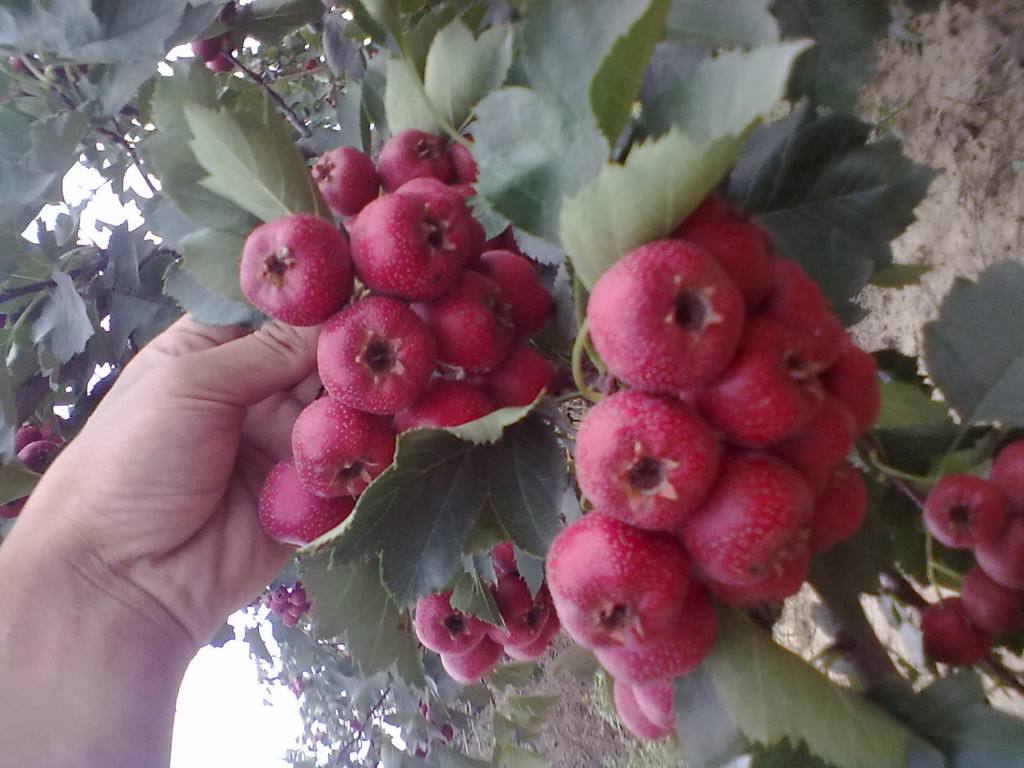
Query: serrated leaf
(727, 94)
(344, 56)
(490, 428)
(614, 87)
(529, 712)
(212, 257)
(750, 672)
(575, 660)
(723, 23)
(833, 72)
(16, 482)
(471, 595)
(253, 162)
(514, 674)
(55, 141)
(461, 70)
(270, 20)
(974, 351)
(204, 305)
(906, 405)
(405, 102)
(350, 602)
(706, 732)
(63, 323)
(627, 205)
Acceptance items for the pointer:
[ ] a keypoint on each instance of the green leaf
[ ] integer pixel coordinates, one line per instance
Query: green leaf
(257, 648)
(907, 405)
(974, 351)
(724, 23)
(830, 200)
(55, 141)
(613, 89)
(727, 94)
(627, 205)
(471, 595)
(785, 756)
(510, 756)
(16, 482)
(575, 660)
(514, 674)
(63, 323)
(405, 102)
(270, 20)
(832, 73)
(204, 305)
(251, 160)
(706, 732)
(212, 257)
(461, 70)
(773, 694)
(349, 602)
(900, 275)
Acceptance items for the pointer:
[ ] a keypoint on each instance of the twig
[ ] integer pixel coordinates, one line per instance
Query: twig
(358, 731)
(43, 285)
(289, 113)
(130, 150)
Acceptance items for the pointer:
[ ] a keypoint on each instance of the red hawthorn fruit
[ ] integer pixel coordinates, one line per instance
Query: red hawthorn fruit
(208, 49)
(950, 638)
(220, 63)
(754, 520)
(445, 404)
(738, 245)
(26, 434)
(447, 732)
(533, 651)
(296, 269)
(853, 378)
(290, 514)
(339, 450)
(767, 394)
(689, 642)
(347, 179)
(523, 615)
(628, 709)
(839, 510)
(530, 304)
(462, 163)
(657, 702)
(503, 241)
(616, 585)
(523, 375)
(444, 629)
(18, 65)
(469, 667)
(787, 582)
(991, 606)
(963, 511)
(649, 460)
(1003, 557)
(410, 246)
(666, 317)
(797, 301)
(504, 557)
(420, 751)
(13, 508)
(376, 355)
(471, 324)
(411, 154)
(431, 189)
(1007, 475)
(38, 455)
(822, 444)
(312, 64)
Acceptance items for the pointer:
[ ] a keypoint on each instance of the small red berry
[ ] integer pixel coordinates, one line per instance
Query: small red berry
(27, 434)
(443, 629)
(463, 163)
(447, 732)
(503, 241)
(963, 511)
(520, 378)
(1008, 475)
(853, 378)
(339, 450)
(469, 667)
(445, 404)
(533, 651)
(208, 49)
(376, 355)
(840, 509)
(646, 459)
(797, 301)
(666, 317)
(753, 521)
(615, 585)
(290, 514)
(950, 638)
(13, 508)
(1002, 558)
(38, 455)
(297, 269)
(530, 305)
(787, 581)
(822, 444)
(991, 606)
(657, 702)
(628, 709)
(504, 557)
(220, 63)
(411, 154)
(522, 614)
(347, 179)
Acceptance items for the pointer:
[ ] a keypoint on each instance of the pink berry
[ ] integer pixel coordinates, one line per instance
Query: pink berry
(797, 301)
(646, 459)
(822, 444)
(504, 557)
(469, 667)
(522, 614)
(220, 63)
(292, 515)
(529, 303)
(445, 404)
(347, 179)
(38, 455)
(411, 154)
(1007, 475)
(409, 246)
(615, 585)
(470, 323)
(443, 629)
(520, 378)
(13, 508)
(790, 575)
(963, 511)
(376, 355)
(628, 709)
(657, 702)
(666, 317)
(463, 163)
(27, 434)
(991, 606)
(339, 450)
(853, 378)
(296, 269)
(840, 509)
(533, 651)
(208, 49)
(950, 638)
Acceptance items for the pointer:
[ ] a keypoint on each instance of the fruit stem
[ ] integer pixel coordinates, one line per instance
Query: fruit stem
(579, 303)
(577, 365)
(898, 474)
(289, 113)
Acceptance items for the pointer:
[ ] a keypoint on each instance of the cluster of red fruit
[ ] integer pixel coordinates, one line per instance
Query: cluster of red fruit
(36, 448)
(215, 52)
(986, 516)
(290, 604)
(438, 337)
(722, 469)
(471, 648)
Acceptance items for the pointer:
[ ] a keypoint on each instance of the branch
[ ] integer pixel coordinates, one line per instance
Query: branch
(130, 150)
(898, 585)
(289, 113)
(358, 731)
(81, 273)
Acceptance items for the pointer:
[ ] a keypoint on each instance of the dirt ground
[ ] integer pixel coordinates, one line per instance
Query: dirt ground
(958, 104)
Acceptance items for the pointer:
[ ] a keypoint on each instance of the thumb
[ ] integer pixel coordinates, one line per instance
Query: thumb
(247, 370)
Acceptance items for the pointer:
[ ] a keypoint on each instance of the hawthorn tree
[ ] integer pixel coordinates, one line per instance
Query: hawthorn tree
(722, 135)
